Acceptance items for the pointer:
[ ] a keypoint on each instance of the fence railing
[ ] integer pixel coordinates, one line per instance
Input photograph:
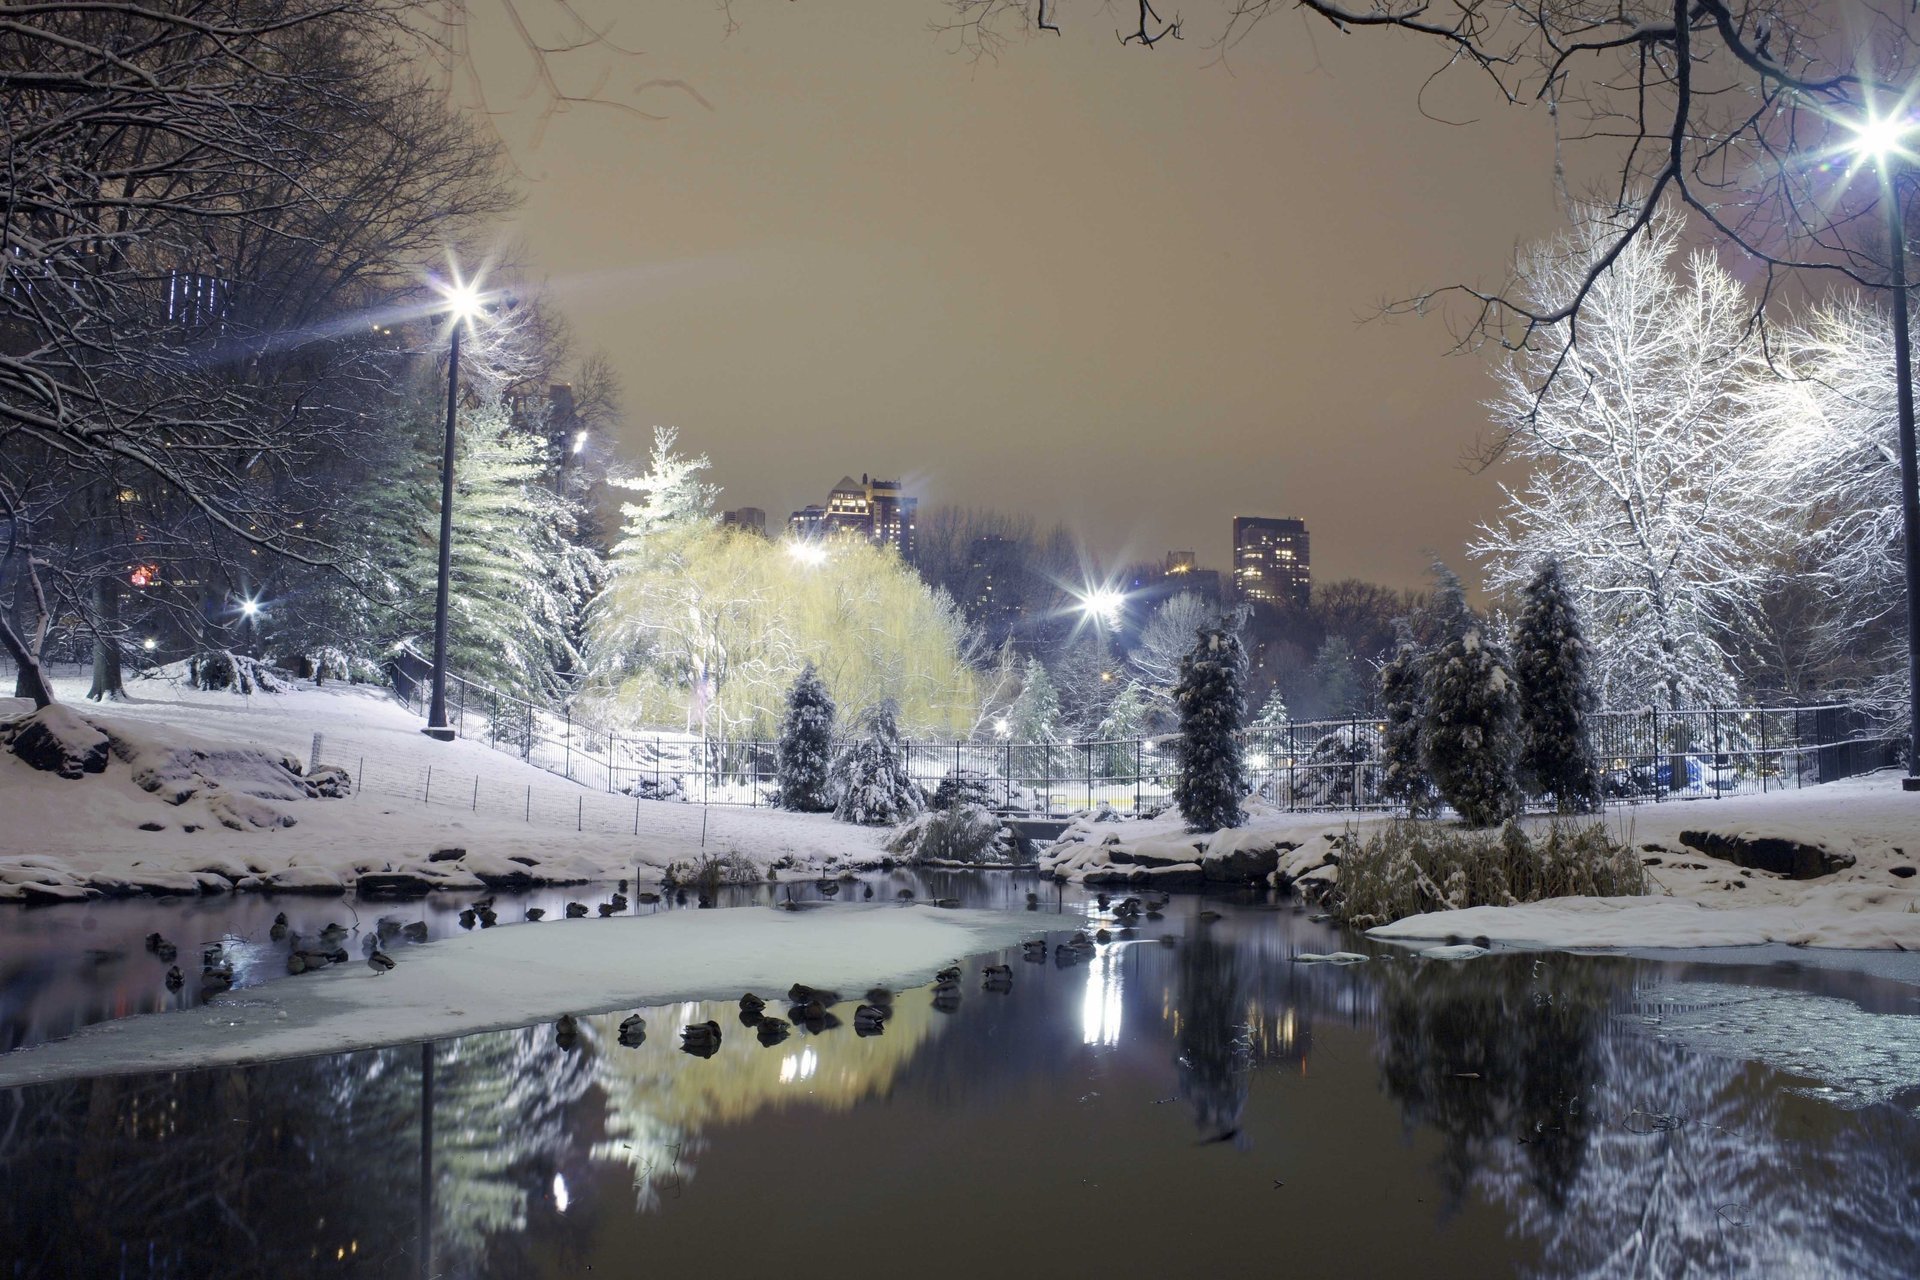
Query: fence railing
(1645, 756)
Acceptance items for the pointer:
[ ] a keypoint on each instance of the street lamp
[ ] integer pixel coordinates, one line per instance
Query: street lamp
(1102, 605)
(1884, 140)
(463, 303)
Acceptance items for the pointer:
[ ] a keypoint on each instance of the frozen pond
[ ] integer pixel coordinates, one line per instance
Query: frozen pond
(1189, 1099)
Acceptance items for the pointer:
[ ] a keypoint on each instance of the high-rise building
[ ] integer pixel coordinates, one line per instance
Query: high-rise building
(867, 508)
(1271, 564)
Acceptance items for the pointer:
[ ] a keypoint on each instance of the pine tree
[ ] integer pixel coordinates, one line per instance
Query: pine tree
(1403, 775)
(1033, 721)
(1469, 735)
(1335, 681)
(1211, 700)
(1552, 663)
(806, 746)
(875, 790)
(1121, 729)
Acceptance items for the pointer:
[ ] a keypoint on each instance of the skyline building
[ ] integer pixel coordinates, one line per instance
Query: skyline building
(1272, 563)
(871, 508)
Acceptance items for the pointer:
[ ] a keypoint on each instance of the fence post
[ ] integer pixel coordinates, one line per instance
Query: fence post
(1763, 751)
(1713, 726)
(1046, 777)
(566, 761)
(1008, 774)
(636, 812)
(753, 769)
(579, 813)
(476, 793)
(427, 797)
(656, 764)
(1353, 732)
(1139, 753)
(1293, 758)
(460, 718)
(529, 815)
(493, 719)
(1089, 749)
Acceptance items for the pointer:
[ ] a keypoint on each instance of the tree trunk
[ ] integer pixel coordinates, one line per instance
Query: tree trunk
(106, 645)
(29, 680)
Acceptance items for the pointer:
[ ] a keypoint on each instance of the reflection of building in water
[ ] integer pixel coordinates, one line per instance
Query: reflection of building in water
(1100, 1008)
(658, 1101)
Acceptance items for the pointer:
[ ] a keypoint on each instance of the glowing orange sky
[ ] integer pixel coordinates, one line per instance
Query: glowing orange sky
(1114, 287)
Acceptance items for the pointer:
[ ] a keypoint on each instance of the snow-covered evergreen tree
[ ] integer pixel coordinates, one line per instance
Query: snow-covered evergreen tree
(671, 493)
(1552, 664)
(806, 746)
(1033, 721)
(1121, 729)
(1469, 729)
(1335, 681)
(875, 790)
(1211, 700)
(1403, 774)
(1273, 720)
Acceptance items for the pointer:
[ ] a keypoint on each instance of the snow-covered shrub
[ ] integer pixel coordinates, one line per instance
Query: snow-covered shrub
(217, 669)
(707, 875)
(665, 787)
(1469, 729)
(1552, 664)
(1407, 868)
(329, 662)
(805, 764)
(967, 787)
(1342, 769)
(962, 833)
(1209, 757)
(875, 790)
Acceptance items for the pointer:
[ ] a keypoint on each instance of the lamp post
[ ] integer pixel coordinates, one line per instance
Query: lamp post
(464, 302)
(1883, 139)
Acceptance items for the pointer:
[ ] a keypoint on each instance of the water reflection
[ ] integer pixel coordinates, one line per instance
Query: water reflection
(1515, 1115)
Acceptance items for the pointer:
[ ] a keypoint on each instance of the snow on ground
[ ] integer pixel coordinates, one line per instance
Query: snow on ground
(1698, 900)
(413, 796)
(517, 975)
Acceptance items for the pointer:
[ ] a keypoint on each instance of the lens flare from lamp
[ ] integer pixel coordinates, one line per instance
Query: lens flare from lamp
(1103, 605)
(807, 551)
(1880, 137)
(249, 608)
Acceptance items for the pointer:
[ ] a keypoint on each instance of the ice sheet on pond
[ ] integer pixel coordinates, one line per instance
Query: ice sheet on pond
(529, 973)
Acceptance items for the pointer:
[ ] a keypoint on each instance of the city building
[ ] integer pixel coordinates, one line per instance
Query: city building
(747, 519)
(1271, 564)
(870, 508)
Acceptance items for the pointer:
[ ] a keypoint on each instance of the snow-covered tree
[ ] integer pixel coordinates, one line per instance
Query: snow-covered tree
(806, 746)
(1826, 460)
(875, 790)
(1083, 676)
(1033, 721)
(1120, 730)
(1165, 641)
(672, 494)
(1641, 481)
(1550, 661)
(1273, 719)
(1334, 681)
(1210, 760)
(1469, 727)
(1402, 705)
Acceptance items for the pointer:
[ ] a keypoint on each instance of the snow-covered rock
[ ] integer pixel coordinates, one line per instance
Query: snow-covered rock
(57, 739)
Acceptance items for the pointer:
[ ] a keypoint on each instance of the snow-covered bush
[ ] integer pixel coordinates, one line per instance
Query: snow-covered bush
(707, 875)
(665, 787)
(223, 669)
(1343, 768)
(1406, 868)
(806, 746)
(967, 787)
(1210, 760)
(1552, 664)
(962, 833)
(332, 663)
(1469, 734)
(875, 790)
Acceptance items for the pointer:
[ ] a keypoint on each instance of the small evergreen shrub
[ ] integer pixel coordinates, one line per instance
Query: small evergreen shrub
(966, 787)
(962, 833)
(1553, 664)
(1469, 724)
(875, 790)
(1210, 761)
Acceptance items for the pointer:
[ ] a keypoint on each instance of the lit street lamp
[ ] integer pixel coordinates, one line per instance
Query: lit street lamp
(1102, 605)
(463, 303)
(1884, 139)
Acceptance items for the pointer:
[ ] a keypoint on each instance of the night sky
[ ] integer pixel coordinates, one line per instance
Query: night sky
(1118, 288)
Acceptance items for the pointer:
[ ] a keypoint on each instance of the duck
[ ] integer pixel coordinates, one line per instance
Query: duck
(415, 932)
(651, 899)
(702, 1039)
(949, 974)
(620, 902)
(880, 996)
(905, 895)
(1078, 939)
(175, 978)
(633, 1031)
(1033, 900)
(278, 929)
(469, 918)
(946, 997)
(808, 1013)
(751, 1003)
(576, 910)
(214, 981)
(333, 932)
(1102, 937)
(621, 887)
(867, 892)
(213, 956)
(828, 888)
(801, 993)
(155, 942)
(947, 987)
(773, 1030)
(536, 914)
(869, 1020)
(1064, 955)
(608, 909)
(1127, 907)
(705, 902)
(488, 917)
(566, 1031)
(1102, 900)
(998, 973)
(1034, 949)
(1207, 917)
(380, 961)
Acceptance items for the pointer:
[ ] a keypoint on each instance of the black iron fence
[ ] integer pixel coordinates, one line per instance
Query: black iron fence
(1645, 756)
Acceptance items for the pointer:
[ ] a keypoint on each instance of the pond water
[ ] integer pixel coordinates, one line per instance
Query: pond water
(1186, 1100)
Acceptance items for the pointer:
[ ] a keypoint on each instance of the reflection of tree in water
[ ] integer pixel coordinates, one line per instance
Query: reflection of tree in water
(1211, 1035)
(659, 1101)
(1617, 1155)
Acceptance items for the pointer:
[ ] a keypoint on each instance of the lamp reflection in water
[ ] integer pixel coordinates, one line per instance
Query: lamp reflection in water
(799, 1066)
(1100, 1007)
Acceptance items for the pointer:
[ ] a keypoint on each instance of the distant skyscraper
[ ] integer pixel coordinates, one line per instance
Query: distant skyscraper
(1270, 561)
(865, 508)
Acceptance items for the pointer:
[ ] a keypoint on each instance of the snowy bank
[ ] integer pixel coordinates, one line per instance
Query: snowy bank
(1160, 852)
(521, 974)
(1857, 918)
(204, 792)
